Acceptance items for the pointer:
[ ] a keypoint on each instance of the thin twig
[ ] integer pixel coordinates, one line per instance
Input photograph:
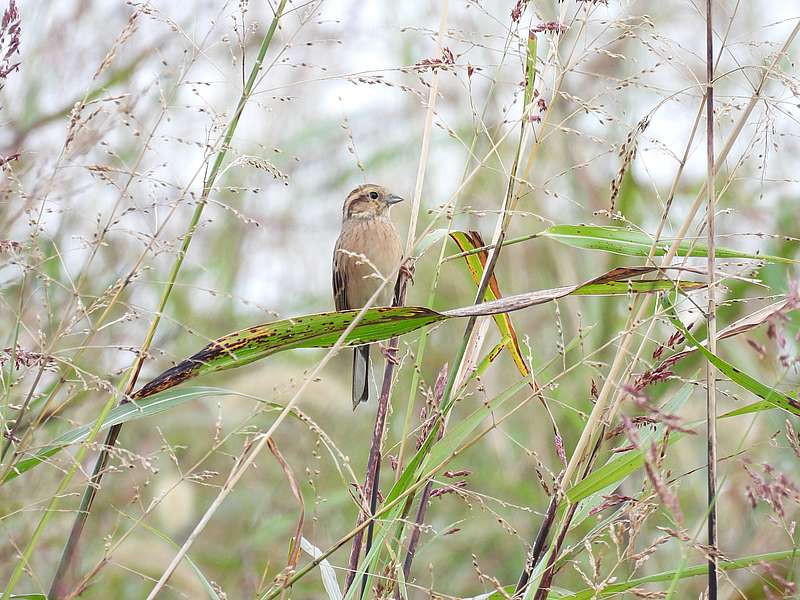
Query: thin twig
(294, 548)
(452, 202)
(508, 242)
(711, 317)
(438, 392)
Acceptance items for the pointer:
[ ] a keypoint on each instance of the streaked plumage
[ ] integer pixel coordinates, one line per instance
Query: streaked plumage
(367, 251)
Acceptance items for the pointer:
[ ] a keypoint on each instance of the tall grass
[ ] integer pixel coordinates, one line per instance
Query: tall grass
(174, 174)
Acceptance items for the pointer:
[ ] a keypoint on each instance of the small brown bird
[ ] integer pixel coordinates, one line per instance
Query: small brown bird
(367, 252)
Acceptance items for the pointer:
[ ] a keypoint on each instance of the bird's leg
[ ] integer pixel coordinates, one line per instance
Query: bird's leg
(407, 268)
(405, 273)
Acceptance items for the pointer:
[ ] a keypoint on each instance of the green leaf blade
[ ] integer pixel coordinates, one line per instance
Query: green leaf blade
(623, 241)
(320, 330)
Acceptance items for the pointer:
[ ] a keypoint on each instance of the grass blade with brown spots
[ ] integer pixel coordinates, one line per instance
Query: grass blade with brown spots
(310, 331)
(323, 330)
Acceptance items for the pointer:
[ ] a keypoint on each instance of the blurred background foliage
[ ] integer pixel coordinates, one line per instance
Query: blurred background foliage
(342, 103)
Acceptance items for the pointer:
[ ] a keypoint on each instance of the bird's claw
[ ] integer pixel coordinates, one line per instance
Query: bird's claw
(389, 354)
(407, 269)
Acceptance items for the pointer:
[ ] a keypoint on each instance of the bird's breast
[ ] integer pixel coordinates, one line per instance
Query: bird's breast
(369, 250)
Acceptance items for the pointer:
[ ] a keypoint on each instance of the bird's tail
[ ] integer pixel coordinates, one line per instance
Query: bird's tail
(360, 375)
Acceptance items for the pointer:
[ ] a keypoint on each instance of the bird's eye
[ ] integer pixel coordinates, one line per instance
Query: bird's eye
(373, 195)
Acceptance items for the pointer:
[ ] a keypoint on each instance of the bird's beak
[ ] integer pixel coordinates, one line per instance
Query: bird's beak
(393, 199)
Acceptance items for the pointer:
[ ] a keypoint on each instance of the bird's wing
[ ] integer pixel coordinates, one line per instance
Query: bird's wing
(339, 280)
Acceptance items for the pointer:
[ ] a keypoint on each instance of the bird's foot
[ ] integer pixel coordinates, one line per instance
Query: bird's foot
(389, 354)
(407, 269)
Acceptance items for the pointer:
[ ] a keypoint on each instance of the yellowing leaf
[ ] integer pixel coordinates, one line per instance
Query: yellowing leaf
(471, 240)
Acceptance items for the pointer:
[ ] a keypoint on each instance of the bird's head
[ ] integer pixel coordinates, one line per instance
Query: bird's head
(368, 201)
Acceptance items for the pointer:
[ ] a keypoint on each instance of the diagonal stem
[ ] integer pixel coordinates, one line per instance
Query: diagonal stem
(711, 317)
(58, 586)
(426, 493)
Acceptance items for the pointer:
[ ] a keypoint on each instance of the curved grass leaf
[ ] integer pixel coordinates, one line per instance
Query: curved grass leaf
(620, 240)
(749, 409)
(740, 326)
(471, 240)
(775, 397)
(310, 331)
(698, 570)
(322, 330)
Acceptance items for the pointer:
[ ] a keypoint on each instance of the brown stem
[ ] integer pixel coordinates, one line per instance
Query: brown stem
(547, 576)
(373, 462)
(538, 546)
(415, 534)
(373, 507)
(438, 392)
(711, 401)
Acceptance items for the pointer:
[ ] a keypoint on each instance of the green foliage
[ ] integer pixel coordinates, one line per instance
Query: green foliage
(627, 242)
(183, 176)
